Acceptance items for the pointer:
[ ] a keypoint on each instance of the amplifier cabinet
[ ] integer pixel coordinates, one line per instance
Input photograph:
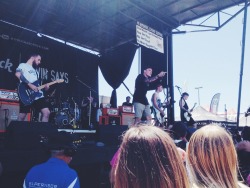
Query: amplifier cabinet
(9, 95)
(126, 109)
(114, 120)
(9, 112)
(110, 111)
(128, 118)
(103, 120)
(109, 120)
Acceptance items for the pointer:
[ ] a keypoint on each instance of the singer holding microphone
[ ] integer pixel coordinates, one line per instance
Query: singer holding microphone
(140, 101)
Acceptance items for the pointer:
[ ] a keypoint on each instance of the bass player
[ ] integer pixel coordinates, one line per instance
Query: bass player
(185, 113)
(27, 74)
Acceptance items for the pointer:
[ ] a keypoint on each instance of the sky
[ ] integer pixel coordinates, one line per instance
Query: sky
(210, 60)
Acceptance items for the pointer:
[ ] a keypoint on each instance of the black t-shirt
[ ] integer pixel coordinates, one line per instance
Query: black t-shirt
(183, 119)
(141, 88)
(127, 104)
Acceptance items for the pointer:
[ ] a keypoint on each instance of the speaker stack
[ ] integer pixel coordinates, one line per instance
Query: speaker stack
(9, 108)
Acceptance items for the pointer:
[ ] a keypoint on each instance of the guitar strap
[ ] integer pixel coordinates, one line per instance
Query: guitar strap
(38, 77)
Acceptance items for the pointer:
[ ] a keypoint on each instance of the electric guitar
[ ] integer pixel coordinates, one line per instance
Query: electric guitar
(159, 116)
(28, 96)
(187, 115)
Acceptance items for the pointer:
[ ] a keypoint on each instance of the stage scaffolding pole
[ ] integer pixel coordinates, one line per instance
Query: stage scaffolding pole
(242, 61)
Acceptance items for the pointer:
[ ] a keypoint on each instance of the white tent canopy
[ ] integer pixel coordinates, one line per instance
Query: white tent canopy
(201, 114)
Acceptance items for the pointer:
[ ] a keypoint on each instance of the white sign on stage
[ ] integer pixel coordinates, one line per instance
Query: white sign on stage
(149, 37)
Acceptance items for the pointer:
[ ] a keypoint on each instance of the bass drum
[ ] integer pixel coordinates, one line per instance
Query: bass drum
(62, 119)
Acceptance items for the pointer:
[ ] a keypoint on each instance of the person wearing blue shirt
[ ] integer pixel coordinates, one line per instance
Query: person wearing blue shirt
(54, 173)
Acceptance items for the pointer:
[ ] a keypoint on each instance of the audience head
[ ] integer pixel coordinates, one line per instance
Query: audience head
(212, 158)
(149, 158)
(61, 146)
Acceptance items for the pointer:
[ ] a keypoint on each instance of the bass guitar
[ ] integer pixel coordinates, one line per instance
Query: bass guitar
(28, 96)
(187, 115)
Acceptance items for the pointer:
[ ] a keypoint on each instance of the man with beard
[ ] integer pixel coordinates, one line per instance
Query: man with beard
(27, 74)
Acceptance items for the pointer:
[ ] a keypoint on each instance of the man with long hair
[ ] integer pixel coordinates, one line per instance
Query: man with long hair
(212, 159)
(148, 158)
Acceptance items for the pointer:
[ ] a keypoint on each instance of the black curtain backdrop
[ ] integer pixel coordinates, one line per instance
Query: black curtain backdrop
(158, 63)
(115, 67)
(59, 61)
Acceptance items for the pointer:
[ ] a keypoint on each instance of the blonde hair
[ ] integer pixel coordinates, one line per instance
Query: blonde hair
(149, 159)
(212, 159)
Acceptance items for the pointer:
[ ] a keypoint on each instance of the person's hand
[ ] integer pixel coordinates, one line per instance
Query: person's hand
(46, 87)
(161, 74)
(33, 87)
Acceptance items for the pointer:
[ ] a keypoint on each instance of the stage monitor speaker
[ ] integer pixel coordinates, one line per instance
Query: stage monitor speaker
(28, 135)
(9, 112)
(110, 134)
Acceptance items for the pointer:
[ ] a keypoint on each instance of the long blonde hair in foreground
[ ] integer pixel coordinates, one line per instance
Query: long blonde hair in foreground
(212, 159)
(149, 159)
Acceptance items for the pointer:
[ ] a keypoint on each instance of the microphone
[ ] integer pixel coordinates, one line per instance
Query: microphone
(177, 86)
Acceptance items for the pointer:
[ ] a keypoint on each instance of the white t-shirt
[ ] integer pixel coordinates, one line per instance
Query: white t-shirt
(158, 100)
(30, 74)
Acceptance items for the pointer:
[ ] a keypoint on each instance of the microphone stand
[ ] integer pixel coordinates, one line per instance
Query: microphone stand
(90, 95)
(74, 121)
(179, 89)
(127, 88)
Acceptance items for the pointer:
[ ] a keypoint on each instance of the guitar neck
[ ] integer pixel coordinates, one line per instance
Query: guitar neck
(49, 84)
(193, 107)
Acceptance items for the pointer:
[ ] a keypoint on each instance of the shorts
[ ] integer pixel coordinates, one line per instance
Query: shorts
(141, 109)
(37, 104)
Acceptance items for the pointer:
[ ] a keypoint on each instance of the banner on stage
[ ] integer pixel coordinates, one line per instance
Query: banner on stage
(149, 37)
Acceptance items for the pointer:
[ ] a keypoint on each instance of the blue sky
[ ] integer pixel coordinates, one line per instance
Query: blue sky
(208, 59)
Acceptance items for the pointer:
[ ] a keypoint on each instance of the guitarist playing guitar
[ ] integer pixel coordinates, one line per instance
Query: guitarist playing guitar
(158, 106)
(28, 75)
(184, 110)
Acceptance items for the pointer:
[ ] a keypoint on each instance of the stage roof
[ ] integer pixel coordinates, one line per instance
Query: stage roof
(101, 25)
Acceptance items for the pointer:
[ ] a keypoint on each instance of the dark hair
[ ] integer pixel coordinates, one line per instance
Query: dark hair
(158, 85)
(62, 141)
(147, 67)
(184, 94)
(34, 55)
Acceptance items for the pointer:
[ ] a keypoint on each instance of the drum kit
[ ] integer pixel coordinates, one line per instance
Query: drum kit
(66, 114)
